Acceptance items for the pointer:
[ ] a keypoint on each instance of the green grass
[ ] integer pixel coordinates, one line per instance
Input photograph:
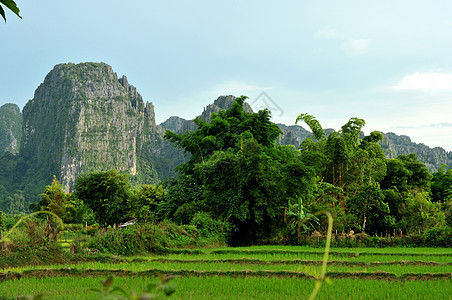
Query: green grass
(227, 266)
(246, 278)
(353, 250)
(236, 288)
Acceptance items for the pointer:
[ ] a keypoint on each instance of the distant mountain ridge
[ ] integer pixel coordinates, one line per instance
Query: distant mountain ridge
(394, 145)
(83, 117)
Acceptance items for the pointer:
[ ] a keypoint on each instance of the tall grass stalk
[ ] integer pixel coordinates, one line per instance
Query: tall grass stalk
(319, 282)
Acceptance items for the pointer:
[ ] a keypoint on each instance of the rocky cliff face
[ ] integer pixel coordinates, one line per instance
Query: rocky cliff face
(10, 128)
(394, 145)
(292, 135)
(84, 118)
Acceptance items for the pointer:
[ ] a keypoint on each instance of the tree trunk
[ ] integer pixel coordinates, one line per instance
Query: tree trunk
(364, 224)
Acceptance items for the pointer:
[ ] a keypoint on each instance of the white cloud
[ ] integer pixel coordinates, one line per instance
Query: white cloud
(356, 46)
(350, 45)
(426, 81)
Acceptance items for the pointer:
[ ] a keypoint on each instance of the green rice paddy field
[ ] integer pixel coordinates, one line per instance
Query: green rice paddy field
(270, 272)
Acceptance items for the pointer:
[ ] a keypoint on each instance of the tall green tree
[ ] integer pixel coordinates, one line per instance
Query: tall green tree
(16, 203)
(367, 163)
(396, 175)
(238, 173)
(144, 202)
(420, 214)
(338, 157)
(249, 187)
(419, 175)
(314, 125)
(442, 185)
(335, 152)
(225, 130)
(350, 167)
(351, 132)
(54, 199)
(369, 206)
(106, 193)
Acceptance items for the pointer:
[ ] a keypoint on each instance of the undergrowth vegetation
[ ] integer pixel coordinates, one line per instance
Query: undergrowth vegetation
(142, 239)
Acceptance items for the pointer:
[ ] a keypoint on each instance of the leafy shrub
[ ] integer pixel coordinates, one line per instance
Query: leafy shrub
(10, 220)
(210, 228)
(372, 241)
(413, 240)
(439, 237)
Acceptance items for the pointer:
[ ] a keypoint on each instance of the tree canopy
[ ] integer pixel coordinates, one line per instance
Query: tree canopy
(366, 191)
(106, 193)
(238, 173)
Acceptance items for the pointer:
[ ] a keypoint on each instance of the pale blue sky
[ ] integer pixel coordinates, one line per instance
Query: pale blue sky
(388, 62)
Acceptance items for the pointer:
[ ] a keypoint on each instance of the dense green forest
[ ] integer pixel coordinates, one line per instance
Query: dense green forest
(241, 182)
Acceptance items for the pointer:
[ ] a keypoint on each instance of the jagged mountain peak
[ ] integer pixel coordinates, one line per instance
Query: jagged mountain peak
(84, 118)
(86, 81)
(394, 145)
(14, 108)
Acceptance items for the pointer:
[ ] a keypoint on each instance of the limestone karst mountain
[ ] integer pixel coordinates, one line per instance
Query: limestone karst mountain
(84, 118)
